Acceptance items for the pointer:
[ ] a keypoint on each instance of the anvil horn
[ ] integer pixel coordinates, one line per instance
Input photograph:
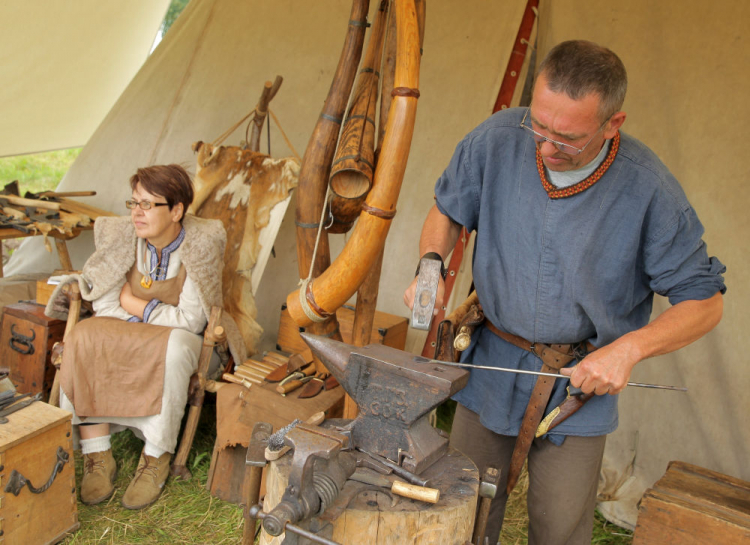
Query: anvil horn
(333, 354)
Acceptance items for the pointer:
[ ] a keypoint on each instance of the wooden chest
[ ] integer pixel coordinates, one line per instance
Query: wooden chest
(691, 505)
(387, 329)
(37, 476)
(25, 343)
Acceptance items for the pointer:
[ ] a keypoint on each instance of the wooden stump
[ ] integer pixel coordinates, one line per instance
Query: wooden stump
(368, 514)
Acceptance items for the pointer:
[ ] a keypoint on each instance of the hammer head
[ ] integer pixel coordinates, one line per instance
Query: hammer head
(428, 281)
(395, 391)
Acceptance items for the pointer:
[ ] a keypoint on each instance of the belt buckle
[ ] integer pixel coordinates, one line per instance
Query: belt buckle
(532, 349)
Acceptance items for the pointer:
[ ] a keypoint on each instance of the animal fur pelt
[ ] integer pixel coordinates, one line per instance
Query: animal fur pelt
(240, 187)
(115, 241)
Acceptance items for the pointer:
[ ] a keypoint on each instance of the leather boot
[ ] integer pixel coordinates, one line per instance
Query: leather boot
(148, 482)
(99, 473)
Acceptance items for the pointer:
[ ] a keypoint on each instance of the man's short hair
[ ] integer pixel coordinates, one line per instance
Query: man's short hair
(169, 181)
(579, 67)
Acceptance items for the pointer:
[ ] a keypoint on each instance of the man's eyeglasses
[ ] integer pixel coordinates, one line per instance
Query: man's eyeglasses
(145, 205)
(561, 146)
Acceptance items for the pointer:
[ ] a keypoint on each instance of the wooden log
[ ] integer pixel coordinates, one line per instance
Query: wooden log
(369, 514)
(261, 111)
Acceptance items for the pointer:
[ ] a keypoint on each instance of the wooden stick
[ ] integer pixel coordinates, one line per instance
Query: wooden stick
(210, 339)
(421, 493)
(34, 203)
(73, 293)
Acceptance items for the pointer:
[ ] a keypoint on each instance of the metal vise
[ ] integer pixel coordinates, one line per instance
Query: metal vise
(319, 471)
(395, 391)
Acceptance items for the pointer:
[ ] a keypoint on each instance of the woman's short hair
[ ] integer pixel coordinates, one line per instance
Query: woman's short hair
(169, 181)
(579, 67)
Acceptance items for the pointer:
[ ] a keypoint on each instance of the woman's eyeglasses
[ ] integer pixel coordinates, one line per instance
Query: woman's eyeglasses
(145, 205)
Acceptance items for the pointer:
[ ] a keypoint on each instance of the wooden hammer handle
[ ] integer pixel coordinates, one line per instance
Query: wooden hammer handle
(414, 492)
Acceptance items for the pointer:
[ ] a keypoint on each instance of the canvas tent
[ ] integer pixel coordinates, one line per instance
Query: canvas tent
(63, 66)
(687, 100)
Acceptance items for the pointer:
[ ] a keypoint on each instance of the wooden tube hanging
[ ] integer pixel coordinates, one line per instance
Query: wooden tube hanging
(353, 164)
(331, 289)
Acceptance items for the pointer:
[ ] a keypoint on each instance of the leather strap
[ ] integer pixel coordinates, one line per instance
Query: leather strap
(554, 357)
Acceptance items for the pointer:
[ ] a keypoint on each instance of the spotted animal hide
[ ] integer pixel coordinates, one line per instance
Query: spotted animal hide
(240, 187)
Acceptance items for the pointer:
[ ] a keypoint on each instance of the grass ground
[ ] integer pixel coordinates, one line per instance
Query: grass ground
(38, 171)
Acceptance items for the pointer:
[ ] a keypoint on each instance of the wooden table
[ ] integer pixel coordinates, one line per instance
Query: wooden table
(7, 233)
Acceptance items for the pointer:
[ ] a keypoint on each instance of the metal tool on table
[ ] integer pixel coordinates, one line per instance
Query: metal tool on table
(487, 492)
(255, 459)
(17, 407)
(400, 488)
(296, 379)
(294, 363)
(395, 395)
(428, 279)
(255, 511)
(320, 467)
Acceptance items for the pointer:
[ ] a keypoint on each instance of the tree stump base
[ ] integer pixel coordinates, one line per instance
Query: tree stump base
(369, 514)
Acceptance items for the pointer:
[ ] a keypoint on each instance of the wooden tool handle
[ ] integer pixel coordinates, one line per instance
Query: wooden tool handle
(290, 386)
(414, 492)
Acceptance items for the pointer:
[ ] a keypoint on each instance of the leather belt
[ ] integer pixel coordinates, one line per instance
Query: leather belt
(554, 357)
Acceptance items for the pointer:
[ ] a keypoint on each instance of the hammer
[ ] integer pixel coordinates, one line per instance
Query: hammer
(429, 271)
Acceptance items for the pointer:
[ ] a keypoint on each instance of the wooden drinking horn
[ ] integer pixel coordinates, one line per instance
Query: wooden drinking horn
(353, 164)
(339, 281)
(316, 163)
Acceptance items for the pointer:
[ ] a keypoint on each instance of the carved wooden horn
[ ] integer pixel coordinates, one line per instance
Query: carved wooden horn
(353, 164)
(318, 299)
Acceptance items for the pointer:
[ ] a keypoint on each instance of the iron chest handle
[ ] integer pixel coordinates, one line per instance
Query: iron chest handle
(26, 347)
(17, 481)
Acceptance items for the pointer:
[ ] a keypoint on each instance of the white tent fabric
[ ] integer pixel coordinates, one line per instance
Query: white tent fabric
(687, 94)
(64, 64)
(687, 99)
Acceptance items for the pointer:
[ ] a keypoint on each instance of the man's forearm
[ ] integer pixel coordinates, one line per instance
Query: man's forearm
(608, 369)
(439, 234)
(678, 326)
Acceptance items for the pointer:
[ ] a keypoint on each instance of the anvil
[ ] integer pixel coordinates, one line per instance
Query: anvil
(395, 392)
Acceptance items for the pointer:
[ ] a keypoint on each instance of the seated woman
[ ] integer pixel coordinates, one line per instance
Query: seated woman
(153, 280)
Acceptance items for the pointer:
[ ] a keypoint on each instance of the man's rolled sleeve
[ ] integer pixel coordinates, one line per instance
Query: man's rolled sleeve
(678, 264)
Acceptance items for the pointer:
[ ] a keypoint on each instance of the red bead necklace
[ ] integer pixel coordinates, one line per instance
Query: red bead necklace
(583, 185)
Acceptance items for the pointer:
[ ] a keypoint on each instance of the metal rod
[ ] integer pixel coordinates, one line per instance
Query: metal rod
(539, 373)
(255, 512)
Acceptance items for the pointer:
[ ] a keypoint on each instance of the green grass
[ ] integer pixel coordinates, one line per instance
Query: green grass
(38, 171)
(185, 512)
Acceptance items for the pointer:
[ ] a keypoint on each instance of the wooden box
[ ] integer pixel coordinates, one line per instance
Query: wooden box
(387, 329)
(26, 340)
(691, 505)
(35, 442)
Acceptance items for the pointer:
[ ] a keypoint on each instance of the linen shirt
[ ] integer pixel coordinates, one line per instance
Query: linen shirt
(580, 268)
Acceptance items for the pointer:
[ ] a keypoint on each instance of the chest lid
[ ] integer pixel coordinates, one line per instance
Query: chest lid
(31, 312)
(29, 422)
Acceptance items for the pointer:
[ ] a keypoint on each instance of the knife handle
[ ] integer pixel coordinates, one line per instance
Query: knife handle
(290, 386)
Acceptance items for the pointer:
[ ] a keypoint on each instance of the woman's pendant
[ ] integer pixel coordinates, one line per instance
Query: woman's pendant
(146, 281)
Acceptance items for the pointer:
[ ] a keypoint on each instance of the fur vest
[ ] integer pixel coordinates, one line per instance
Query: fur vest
(115, 241)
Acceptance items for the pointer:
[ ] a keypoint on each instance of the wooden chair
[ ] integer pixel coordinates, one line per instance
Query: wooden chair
(214, 338)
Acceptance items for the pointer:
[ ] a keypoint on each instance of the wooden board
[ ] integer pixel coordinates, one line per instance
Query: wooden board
(263, 404)
(387, 329)
(373, 515)
(691, 505)
(28, 445)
